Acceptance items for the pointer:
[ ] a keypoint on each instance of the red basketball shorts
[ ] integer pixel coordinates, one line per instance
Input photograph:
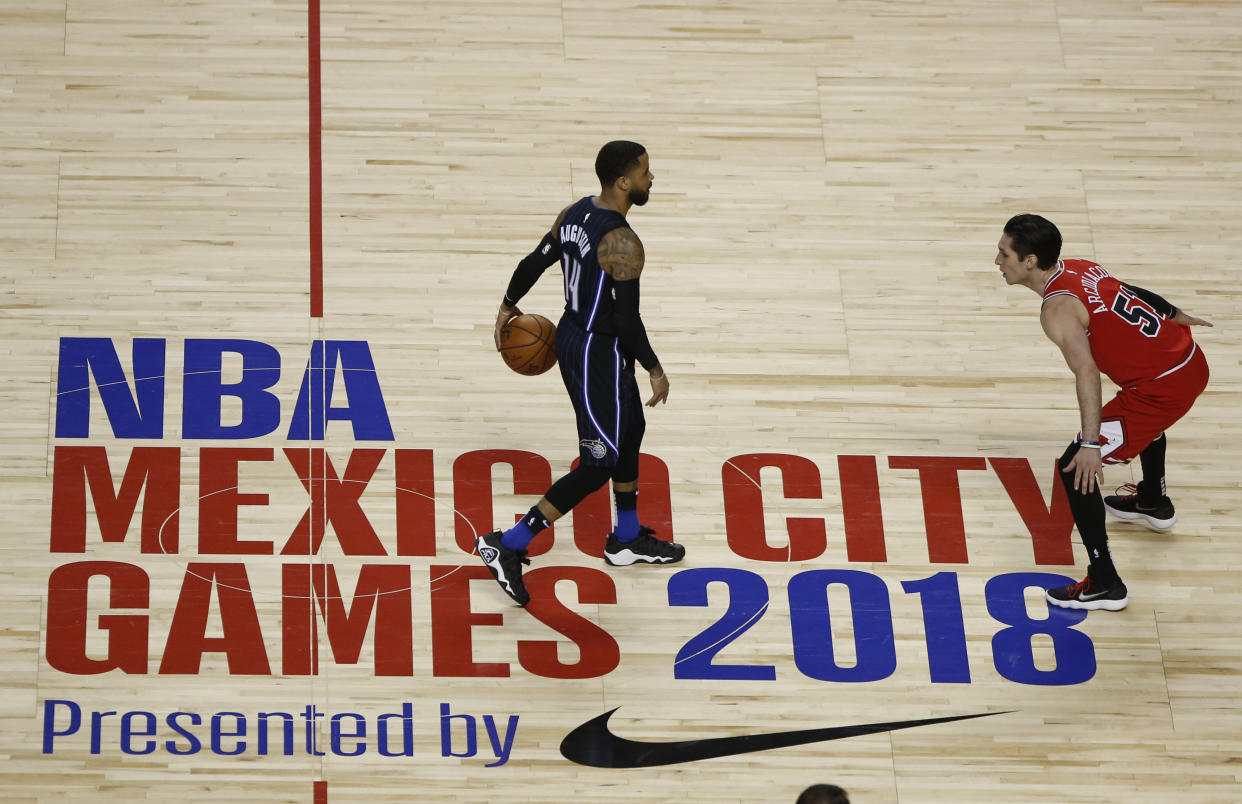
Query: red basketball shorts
(1138, 414)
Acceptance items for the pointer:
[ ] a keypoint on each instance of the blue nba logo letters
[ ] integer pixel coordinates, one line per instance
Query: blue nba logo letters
(135, 407)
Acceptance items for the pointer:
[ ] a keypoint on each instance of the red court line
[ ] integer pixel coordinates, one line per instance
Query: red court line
(316, 163)
(320, 788)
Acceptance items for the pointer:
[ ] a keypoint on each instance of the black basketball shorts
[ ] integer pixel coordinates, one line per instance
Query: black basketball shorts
(599, 378)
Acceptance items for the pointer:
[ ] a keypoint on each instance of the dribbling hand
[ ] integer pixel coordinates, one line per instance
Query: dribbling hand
(503, 317)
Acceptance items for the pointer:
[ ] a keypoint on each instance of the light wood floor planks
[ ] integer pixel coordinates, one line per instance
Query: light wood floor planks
(831, 180)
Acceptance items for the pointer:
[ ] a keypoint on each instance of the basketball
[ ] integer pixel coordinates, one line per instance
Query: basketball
(528, 344)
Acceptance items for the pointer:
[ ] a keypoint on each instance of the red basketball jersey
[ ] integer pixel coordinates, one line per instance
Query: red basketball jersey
(1130, 341)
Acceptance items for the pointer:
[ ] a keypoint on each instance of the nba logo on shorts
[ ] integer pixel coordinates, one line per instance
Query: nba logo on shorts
(595, 447)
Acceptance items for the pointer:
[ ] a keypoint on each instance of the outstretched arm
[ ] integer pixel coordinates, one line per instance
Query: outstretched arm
(1166, 309)
(1063, 318)
(1183, 317)
(622, 257)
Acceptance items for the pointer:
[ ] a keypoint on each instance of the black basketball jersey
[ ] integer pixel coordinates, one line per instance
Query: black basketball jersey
(588, 289)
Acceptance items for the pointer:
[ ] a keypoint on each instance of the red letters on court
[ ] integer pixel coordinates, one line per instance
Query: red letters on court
(231, 491)
(157, 469)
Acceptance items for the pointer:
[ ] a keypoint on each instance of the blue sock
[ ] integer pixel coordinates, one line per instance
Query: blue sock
(524, 532)
(627, 515)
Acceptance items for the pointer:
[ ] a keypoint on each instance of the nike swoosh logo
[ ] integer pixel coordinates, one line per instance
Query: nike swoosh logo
(1089, 596)
(594, 744)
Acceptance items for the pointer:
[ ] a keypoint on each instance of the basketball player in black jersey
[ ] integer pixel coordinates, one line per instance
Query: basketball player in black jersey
(598, 340)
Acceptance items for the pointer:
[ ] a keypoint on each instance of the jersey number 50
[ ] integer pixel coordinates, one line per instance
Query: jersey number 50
(1134, 312)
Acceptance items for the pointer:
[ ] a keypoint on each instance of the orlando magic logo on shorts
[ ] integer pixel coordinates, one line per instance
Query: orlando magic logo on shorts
(596, 447)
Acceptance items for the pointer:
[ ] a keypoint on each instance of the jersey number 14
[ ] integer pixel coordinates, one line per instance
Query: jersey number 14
(572, 269)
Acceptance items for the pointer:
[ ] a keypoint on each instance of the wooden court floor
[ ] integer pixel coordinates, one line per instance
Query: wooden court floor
(252, 253)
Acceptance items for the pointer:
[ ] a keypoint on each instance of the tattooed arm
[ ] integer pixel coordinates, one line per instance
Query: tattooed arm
(622, 257)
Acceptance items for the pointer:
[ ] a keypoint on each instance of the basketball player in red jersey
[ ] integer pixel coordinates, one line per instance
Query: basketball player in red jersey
(1143, 344)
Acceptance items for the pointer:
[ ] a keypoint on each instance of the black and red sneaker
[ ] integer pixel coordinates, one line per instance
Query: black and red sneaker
(1087, 594)
(1132, 505)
